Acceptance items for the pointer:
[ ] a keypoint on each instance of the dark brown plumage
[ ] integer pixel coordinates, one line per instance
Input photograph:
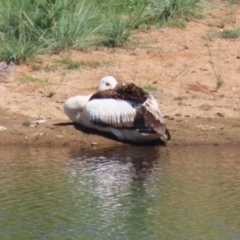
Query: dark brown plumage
(124, 91)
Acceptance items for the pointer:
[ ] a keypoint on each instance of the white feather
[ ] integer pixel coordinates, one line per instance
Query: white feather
(116, 113)
(74, 106)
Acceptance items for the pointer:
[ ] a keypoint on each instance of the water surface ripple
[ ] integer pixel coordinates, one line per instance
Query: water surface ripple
(120, 193)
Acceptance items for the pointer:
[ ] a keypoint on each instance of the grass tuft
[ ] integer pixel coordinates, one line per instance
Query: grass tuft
(69, 64)
(230, 34)
(30, 79)
(26, 123)
(149, 88)
(216, 67)
(117, 32)
(49, 90)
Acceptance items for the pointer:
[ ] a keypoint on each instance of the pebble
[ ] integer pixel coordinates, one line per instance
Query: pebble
(38, 134)
(220, 114)
(94, 143)
(2, 128)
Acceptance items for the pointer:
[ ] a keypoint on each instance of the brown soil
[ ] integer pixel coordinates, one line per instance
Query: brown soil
(176, 63)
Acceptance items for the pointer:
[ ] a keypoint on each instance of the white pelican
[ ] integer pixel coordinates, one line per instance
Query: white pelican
(125, 110)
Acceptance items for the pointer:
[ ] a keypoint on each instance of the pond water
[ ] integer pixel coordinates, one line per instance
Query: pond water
(120, 193)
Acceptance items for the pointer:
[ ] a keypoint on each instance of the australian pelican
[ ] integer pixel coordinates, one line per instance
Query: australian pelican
(125, 110)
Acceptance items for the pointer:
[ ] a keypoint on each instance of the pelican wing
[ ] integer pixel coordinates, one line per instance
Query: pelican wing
(127, 106)
(153, 117)
(111, 112)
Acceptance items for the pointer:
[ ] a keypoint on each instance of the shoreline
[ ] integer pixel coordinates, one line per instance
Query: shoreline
(54, 133)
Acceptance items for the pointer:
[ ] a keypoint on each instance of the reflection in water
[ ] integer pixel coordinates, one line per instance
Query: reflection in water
(120, 193)
(117, 180)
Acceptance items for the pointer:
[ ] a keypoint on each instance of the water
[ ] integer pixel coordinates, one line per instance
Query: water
(120, 193)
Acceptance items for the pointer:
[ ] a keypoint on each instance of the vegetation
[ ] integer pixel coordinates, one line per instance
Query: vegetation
(216, 67)
(49, 90)
(230, 34)
(149, 88)
(26, 124)
(30, 27)
(234, 1)
(152, 89)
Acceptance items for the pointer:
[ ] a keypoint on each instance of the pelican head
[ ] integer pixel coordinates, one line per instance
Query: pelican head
(107, 82)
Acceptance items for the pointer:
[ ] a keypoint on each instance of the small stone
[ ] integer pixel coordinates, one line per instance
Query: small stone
(39, 119)
(220, 114)
(38, 134)
(2, 128)
(94, 144)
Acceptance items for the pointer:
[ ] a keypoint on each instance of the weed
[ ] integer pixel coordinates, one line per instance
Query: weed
(230, 34)
(29, 79)
(209, 35)
(68, 63)
(170, 64)
(51, 67)
(45, 84)
(149, 88)
(152, 89)
(159, 10)
(215, 68)
(234, 1)
(74, 29)
(176, 23)
(93, 64)
(50, 92)
(117, 32)
(26, 123)
(36, 66)
(205, 107)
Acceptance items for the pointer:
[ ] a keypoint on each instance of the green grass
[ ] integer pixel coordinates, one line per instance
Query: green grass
(176, 23)
(230, 34)
(48, 89)
(149, 88)
(225, 34)
(64, 63)
(117, 32)
(26, 123)
(30, 79)
(234, 1)
(29, 28)
(166, 9)
(69, 63)
(152, 90)
(216, 68)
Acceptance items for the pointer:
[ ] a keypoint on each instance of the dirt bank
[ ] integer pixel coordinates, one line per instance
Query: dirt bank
(184, 130)
(176, 65)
